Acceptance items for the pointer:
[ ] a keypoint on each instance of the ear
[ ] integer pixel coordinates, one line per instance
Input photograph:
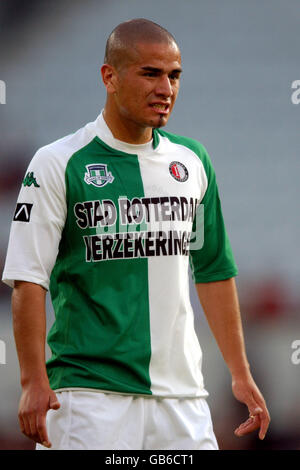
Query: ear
(109, 77)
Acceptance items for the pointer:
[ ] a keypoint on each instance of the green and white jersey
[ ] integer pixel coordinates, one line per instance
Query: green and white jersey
(110, 229)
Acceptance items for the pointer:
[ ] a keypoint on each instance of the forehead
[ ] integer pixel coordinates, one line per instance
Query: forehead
(158, 55)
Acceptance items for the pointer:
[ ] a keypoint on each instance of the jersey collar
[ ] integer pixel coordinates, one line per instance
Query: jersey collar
(105, 134)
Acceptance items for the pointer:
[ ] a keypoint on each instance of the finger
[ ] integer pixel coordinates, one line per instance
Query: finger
(248, 426)
(42, 431)
(255, 411)
(21, 424)
(55, 405)
(53, 402)
(253, 405)
(264, 418)
(261, 403)
(26, 427)
(32, 425)
(262, 411)
(265, 421)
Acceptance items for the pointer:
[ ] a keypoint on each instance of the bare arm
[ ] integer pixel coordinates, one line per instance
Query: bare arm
(29, 323)
(220, 304)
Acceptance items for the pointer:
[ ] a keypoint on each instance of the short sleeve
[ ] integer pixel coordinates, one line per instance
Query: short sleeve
(214, 261)
(38, 222)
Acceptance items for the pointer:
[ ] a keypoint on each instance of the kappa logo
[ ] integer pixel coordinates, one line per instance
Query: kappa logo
(97, 175)
(22, 212)
(30, 179)
(179, 171)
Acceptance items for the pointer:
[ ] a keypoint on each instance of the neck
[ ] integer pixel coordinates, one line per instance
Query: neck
(126, 131)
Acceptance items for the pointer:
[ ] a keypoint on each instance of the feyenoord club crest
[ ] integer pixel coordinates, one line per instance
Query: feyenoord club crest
(178, 171)
(98, 175)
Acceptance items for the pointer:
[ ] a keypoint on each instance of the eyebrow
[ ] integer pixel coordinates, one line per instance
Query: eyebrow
(148, 68)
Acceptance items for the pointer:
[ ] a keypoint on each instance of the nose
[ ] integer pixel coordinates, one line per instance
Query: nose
(164, 87)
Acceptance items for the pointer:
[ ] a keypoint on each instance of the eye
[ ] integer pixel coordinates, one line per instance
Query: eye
(150, 74)
(174, 76)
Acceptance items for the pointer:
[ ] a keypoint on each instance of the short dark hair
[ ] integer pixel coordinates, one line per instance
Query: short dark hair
(129, 33)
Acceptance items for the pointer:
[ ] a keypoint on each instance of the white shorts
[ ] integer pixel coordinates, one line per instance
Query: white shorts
(90, 420)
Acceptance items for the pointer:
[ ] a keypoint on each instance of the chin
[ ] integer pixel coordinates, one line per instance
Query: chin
(160, 122)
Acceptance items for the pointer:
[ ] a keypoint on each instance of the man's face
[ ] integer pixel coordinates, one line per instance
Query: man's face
(146, 87)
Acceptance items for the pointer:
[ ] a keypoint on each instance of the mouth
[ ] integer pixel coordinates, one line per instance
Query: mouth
(161, 108)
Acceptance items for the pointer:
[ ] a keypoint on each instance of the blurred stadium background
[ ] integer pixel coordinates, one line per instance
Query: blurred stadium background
(239, 61)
